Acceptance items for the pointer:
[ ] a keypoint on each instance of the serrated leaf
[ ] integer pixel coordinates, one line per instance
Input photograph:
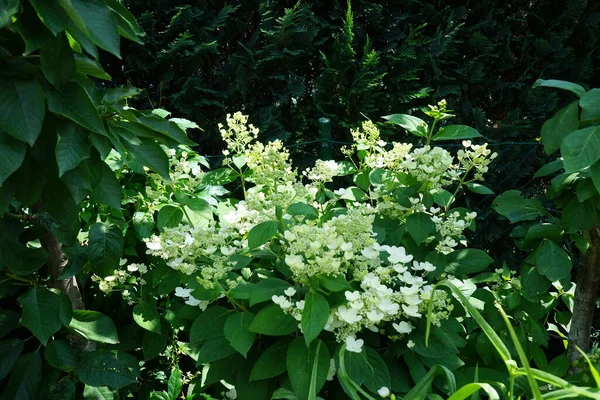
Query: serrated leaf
(12, 153)
(106, 247)
(72, 147)
(175, 384)
(455, 132)
(41, 312)
(237, 333)
(23, 108)
(314, 316)
(169, 217)
(114, 369)
(94, 326)
(420, 226)
(581, 148)
(73, 102)
(146, 316)
(58, 62)
(272, 321)
(262, 233)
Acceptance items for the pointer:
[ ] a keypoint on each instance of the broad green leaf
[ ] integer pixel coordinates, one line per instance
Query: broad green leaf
(100, 24)
(595, 175)
(267, 288)
(590, 105)
(175, 384)
(478, 188)
(559, 126)
(454, 132)
(74, 103)
(209, 325)
(106, 247)
(10, 350)
(23, 108)
(438, 344)
(108, 191)
(77, 259)
(87, 66)
(9, 321)
(270, 363)
(251, 390)
(97, 393)
(262, 233)
(65, 307)
(72, 147)
(58, 62)
(60, 354)
(114, 95)
(314, 316)
(307, 368)
(169, 217)
(94, 326)
(380, 372)
(51, 14)
(585, 190)
(237, 333)
(24, 378)
(552, 261)
(215, 349)
(580, 216)
(167, 128)
(8, 8)
(467, 261)
(153, 345)
(420, 226)
(581, 148)
(513, 206)
(124, 17)
(414, 125)
(12, 153)
(14, 255)
(150, 154)
(272, 321)
(220, 176)
(114, 369)
(41, 312)
(335, 283)
(549, 168)
(302, 209)
(565, 85)
(146, 316)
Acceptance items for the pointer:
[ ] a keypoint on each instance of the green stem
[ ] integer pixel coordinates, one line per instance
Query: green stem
(462, 182)
(188, 217)
(430, 135)
(18, 278)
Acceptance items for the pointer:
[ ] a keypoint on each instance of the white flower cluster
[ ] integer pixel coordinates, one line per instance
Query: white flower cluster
(189, 299)
(477, 157)
(121, 277)
(450, 227)
(323, 171)
(238, 133)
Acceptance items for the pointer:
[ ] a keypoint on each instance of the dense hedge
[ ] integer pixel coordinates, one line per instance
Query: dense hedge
(287, 64)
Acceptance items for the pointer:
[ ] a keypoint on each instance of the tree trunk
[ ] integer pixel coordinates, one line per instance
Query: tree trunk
(587, 280)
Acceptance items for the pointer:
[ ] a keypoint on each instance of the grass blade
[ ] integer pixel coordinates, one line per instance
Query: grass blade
(469, 389)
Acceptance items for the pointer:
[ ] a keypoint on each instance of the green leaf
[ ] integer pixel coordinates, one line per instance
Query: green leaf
(59, 354)
(106, 247)
(565, 85)
(454, 132)
(87, 66)
(72, 147)
(209, 325)
(220, 176)
(552, 261)
(467, 261)
(585, 190)
(262, 233)
(272, 321)
(10, 350)
(167, 128)
(77, 257)
(12, 153)
(94, 326)
(335, 283)
(549, 168)
(302, 209)
(581, 148)
(114, 369)
(23, 108)
(41, 312)
(314, 316)
(270, 363)
(579, 216)
(414, 125)
(97, 393)
(146, 316)
(51, 14)
(25, 378)
(420, 226)
(267, 288)
(16, 256)
(100, 24)
(590, 105)
(169, 217)
(9, 321)
(8, 8)
(150, 154)
(478, 188)
(175, 384)
(380, 373)
(595, 175)
(128, 26)
(153, 345)
(466, 391)
(513, 206)
(108, 191)
(237, 333)
(58, 62)
(215, 349)
(307, 368)
(559, 126)
(73, 102)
